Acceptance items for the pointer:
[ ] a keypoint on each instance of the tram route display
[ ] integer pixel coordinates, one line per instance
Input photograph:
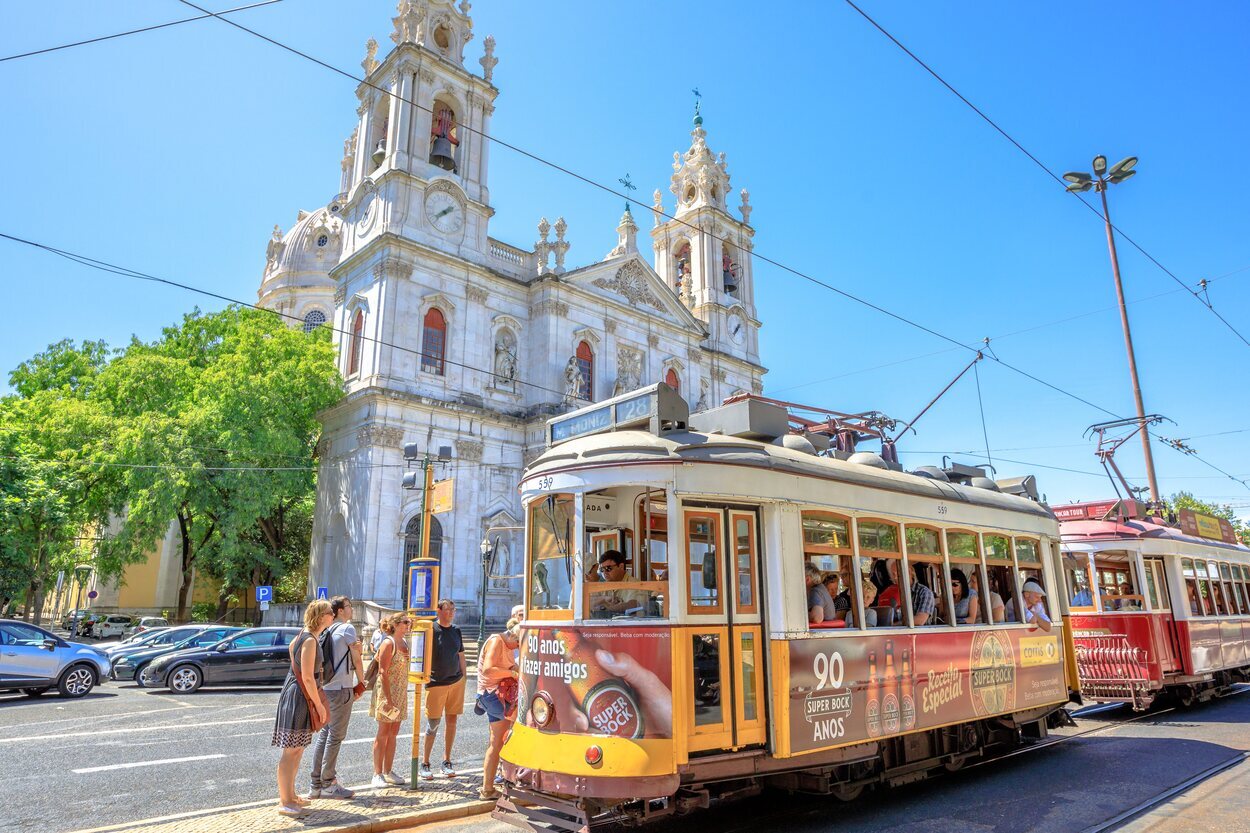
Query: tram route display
(850, 690)
(567, 668)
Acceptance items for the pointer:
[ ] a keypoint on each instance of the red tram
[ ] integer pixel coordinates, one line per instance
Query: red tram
(1155, 606)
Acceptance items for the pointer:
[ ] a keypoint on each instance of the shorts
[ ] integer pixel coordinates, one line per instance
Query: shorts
(445, 699)
(490, 705)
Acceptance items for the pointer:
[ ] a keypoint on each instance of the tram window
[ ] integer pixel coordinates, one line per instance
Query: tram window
(1192, 589)
(653, 529)
(746, 650)
(922, 540)
(744, 561)
(1233, 599)
(884, 575)
(928, 570)
(551, 558)
(965, 579)
(1152, 589)
(1241, 575)
(1217, 589)
(825, 533)
(1028, 551)
(875, 536)
(1001, 573)
(1076, 573)
(707, 682)
(703, 548)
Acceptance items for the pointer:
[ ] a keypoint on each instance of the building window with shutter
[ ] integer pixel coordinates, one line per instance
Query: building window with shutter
(586, 367)
(434, 342)
(357, 343)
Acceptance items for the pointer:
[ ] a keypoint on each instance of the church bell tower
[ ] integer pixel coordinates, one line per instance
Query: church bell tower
(704, 253)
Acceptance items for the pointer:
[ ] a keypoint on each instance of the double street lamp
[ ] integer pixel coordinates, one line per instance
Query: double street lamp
(488, 555)
(1102, 178)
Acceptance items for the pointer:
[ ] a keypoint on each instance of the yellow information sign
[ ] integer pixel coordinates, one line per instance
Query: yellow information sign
(1038, 650)
(1208, 527)
(442, 496)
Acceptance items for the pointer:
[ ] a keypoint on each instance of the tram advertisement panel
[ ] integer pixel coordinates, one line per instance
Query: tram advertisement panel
(849, 690)
(615, 681)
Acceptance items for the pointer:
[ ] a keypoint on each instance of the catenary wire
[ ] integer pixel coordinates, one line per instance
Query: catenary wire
(152, 28)
(1040, 165)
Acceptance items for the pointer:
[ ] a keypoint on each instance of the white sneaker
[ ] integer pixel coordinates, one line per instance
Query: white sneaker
(393, 779)
(379, 782)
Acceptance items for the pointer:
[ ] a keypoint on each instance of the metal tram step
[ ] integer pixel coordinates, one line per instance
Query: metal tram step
(540, 813)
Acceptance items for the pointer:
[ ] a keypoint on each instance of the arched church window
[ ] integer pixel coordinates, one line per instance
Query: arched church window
(670, 379)
(681, 265)
(412, 539)
(434, 342)
(586, 369)
(313, 320)
(444, 138)
(357, 342)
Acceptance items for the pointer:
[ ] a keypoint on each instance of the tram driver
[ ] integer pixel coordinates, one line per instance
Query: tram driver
(623, 602)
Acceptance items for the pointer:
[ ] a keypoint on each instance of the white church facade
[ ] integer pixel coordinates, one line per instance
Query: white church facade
(463, 343)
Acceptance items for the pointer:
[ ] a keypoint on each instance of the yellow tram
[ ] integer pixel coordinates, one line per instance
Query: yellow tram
(703, 672)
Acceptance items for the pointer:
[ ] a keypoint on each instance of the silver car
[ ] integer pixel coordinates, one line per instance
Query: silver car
(34, 660)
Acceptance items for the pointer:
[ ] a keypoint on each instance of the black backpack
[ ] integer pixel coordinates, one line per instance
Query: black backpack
(328, 666)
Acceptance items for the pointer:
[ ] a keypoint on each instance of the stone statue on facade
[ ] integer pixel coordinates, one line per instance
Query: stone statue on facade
(629, 372)
(505, 359)
(572, 380)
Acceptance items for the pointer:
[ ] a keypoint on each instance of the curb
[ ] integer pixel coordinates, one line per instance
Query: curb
(473, 807)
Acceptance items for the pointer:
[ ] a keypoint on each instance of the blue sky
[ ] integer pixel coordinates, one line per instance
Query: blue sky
(176, 151)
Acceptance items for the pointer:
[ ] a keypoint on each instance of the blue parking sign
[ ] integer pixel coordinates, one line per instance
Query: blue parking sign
(264, 593)
(323, 593)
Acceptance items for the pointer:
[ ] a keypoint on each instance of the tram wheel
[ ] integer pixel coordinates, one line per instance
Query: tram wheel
(847, 792)
(1186, 697)
(955, 764)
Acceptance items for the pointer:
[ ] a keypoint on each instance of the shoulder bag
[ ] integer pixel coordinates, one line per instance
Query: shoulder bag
(310, 698)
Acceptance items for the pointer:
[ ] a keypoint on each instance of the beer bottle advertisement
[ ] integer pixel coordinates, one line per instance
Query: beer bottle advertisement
(907, 699)
(597, 682)
(890, 721)
(872, 706)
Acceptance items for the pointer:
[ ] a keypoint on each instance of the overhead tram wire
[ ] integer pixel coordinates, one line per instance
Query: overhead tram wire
(625, 196)
(1039, 164)
(140, 31)
(126, 272)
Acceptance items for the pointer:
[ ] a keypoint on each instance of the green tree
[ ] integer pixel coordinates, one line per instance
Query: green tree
(216, 428)
(1186, 500)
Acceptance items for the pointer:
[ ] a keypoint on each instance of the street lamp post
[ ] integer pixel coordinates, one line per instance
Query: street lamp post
(1100, 181)
(488, 552)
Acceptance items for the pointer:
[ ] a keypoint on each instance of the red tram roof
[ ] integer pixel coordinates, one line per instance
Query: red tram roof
(1089, 530)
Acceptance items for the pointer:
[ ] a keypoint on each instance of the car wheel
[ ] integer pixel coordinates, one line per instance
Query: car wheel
(35, 692)
(184, 679)
(139, 674)
(76, 682)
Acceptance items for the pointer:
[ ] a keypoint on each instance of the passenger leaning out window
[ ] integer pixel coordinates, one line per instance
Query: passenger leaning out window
(1034, 605)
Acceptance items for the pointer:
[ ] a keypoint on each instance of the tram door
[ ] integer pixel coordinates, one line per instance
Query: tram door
(724, 696)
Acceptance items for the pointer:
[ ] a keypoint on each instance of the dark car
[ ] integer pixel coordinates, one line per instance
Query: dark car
(130, 662)
(256, 656)
(167, 638)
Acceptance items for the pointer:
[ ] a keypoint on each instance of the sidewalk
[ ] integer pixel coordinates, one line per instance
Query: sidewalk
(371, 811)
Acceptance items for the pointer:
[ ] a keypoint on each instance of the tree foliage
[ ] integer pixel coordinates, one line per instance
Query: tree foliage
(211, 427)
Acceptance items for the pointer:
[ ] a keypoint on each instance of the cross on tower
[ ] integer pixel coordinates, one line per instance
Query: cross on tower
(629, 186)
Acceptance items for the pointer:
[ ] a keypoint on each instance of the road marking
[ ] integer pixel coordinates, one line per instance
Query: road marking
(136, 764)
(93, 718)
(99, 732)
(370, 740)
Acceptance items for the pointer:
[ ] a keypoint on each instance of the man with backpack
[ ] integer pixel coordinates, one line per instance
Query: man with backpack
(341, 667)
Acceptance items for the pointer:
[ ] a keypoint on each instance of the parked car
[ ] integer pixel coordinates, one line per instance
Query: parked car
(165, 637)
(145, 623)
(71, 618)
(114, 624)
(130, 665)
(256, 656)
(133, 639)
(86, 625)
(35, 660)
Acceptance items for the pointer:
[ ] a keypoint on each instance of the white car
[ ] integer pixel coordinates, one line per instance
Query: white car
(115, 624)
(146, 623)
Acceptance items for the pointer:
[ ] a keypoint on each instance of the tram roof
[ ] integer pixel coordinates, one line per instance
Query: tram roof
(637, 447)
(1094, 530)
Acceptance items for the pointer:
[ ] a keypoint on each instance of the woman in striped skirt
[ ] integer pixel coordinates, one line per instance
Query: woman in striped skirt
(292, 730)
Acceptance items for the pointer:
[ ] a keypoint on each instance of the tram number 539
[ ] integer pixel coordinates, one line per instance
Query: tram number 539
(829, 670)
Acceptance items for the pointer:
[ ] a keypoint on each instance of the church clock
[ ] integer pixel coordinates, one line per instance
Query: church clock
(445, 212)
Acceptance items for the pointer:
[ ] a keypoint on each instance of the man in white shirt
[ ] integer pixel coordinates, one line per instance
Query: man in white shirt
(341, 690)
(1034, 606)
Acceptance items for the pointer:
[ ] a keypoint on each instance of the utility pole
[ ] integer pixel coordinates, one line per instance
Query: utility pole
(1102, 179)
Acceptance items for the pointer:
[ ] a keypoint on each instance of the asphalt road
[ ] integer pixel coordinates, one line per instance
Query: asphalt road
(1068, 787)
(124, 754)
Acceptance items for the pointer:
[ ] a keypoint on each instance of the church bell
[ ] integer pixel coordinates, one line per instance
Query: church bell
(379, 152)
(442, 154)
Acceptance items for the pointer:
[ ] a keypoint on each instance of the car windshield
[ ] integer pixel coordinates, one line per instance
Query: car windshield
(204, 638)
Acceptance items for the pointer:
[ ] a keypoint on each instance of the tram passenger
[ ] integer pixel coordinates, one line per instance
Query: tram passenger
(998, 610)
(1126, 589)
(1082, 597)
(1034, 605)
(820, 607)
(616, 602)
(966, 610)
(923, 602)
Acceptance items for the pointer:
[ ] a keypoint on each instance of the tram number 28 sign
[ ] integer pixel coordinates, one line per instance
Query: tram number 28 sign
(846, 691)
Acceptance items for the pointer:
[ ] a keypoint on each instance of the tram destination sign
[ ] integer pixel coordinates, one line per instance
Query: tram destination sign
(1207, 526)
(654, 408)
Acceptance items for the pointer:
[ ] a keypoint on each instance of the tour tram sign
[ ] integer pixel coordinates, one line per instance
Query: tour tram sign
(656, 408)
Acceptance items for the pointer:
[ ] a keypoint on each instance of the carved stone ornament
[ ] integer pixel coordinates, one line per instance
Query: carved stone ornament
(273, 251)
(505, 358)
(695, 355)
(701, 405)
(757, 386)
(610, 326)
(409, 23)
(551, 306)
(392, 267)
(631, 281)
(470, 450)
(370, 63)
(720, 373)
(653, 339)
(340, 295)
(628, 370)
(476, 294)
(383, 436)
(489, 61)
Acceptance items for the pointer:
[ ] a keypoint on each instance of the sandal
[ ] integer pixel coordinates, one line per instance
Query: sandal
(488, 795)
(290, 812)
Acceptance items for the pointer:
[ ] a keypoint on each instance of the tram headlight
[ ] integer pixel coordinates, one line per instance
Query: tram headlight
(594, 755)
(540, 710)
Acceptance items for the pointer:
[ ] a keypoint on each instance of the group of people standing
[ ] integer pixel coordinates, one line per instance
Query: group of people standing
(328, 675)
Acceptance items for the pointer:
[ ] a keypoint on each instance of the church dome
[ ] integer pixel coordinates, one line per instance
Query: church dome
(313, 244)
